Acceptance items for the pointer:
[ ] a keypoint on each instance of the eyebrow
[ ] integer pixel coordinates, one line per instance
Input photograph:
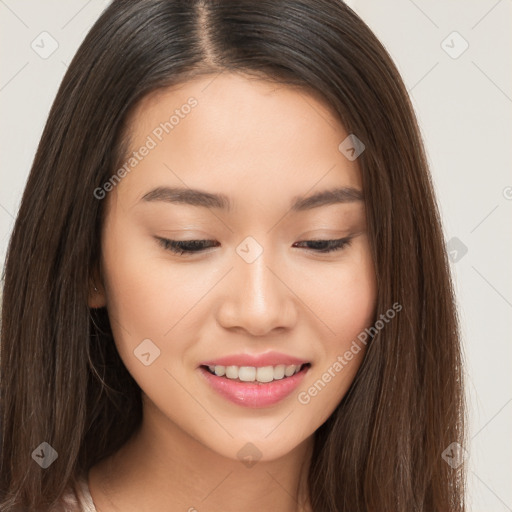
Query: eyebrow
(194, 197)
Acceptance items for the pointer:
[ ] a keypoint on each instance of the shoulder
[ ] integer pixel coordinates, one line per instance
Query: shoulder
(68, 502)
(76, 498)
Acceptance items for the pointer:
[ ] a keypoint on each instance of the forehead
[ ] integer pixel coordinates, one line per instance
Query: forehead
(229, 131)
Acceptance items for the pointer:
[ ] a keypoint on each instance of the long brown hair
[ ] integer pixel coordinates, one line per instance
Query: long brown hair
(62, 381)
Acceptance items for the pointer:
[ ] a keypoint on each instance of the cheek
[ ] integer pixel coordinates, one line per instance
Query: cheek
(136, 297)
(342, 296)
(150, 298)
(344, 300)
(143, 290)
(356, 296)
(142, 301)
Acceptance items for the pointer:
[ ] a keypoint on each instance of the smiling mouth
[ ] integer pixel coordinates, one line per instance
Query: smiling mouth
(257, 375)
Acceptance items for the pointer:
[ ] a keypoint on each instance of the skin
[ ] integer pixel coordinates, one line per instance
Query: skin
(261, 144)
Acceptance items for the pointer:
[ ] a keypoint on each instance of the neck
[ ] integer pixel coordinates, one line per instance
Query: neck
(163, 468)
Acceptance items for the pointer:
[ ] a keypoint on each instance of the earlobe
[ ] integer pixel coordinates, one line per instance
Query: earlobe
(96, 297)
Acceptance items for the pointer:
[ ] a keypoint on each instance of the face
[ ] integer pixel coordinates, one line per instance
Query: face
(270, 277)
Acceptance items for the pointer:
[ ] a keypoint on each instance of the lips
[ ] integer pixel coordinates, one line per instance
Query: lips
(254, 394)
(257, 360)
(268, 390)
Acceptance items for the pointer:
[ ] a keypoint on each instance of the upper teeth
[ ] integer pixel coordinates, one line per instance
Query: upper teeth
(252, 373)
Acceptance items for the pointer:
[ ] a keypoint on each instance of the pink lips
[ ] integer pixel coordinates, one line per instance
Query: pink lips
(254, 394)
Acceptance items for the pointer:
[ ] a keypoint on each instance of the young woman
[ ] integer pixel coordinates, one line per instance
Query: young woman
(227, 287)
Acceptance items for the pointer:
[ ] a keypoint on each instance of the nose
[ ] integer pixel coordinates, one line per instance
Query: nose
(258, 299)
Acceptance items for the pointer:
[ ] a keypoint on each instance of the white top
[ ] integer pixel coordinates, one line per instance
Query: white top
(78, 499)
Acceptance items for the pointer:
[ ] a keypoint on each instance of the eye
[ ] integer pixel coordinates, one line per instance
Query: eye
(325, 246)
(188, 247)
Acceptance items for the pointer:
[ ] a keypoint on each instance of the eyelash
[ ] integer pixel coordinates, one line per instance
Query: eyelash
(182, 247)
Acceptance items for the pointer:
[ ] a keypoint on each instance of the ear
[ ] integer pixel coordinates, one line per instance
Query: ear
(97, 298)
